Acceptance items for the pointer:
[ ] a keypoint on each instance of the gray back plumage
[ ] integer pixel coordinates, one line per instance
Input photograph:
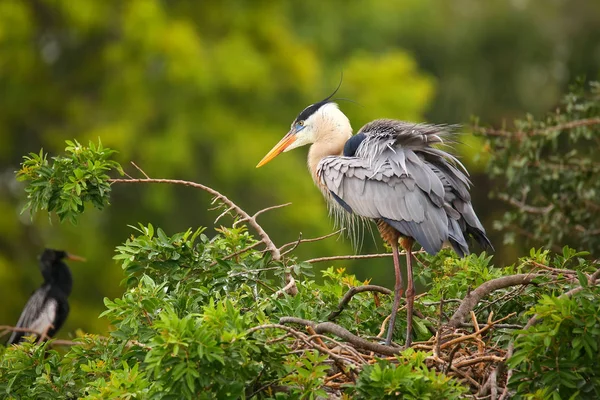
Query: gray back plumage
(397, 176)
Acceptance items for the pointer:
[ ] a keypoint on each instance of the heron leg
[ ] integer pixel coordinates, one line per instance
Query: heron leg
(397, 292)
(410, 294)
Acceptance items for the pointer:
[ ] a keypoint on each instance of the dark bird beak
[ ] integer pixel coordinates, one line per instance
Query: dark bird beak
(280, 147)
(75, 258)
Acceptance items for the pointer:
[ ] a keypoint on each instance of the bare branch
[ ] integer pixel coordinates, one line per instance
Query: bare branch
(351, 292)
(473, 298)
(250, 220)
(256, 214)
(330, 327)
(348, 257)
(243, 214)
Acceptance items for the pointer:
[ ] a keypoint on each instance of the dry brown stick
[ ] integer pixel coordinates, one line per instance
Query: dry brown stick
(348, 257)
(472, 381)
(465, 363)
(330, 327)
(473, 298)
(353, 291)
(321, 343)
(475, 334)
(304, 338)
(553, 270)
(343, 346)
(356, 257)
(256, 214)
(480, 344)
(497, 326)
(296, 243)
(491, 385)
(222, 214)
(451, 357)
(139, 169)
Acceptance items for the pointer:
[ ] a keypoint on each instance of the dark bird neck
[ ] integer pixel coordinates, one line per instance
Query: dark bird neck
(59, 276)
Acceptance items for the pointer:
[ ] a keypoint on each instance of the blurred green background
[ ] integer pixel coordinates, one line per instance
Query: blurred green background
(202, 90)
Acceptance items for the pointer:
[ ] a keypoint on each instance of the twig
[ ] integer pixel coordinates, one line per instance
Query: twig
(256, 214)
(305, 339)
(451, 357)
(477, 360)
(473, 298)
(497, 326)
(353, 291)
(222, 215)
(139, 169)
(295, 243)
(330, 327)
(348, 257)
(476, 333)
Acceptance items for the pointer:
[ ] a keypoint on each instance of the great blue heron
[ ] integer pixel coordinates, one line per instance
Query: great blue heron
(48, 307)
(389, 172)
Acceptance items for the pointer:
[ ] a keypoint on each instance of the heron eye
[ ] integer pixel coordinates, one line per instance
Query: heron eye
(300, 124)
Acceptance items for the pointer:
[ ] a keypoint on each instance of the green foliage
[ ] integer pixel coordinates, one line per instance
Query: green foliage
(549, 171)
(180, 330)
(558, 357)
(409, 379)
(68, 182)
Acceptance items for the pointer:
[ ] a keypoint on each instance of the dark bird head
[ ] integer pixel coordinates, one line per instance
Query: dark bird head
(55, 271)
(319, 122)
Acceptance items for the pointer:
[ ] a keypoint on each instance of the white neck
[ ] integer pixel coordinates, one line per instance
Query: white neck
(331, 131)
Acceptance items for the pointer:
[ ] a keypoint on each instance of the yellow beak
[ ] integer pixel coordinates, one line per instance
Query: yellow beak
(279, 148)
(73, 257)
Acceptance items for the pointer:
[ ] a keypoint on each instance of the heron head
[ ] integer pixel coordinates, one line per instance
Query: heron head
(316, 122)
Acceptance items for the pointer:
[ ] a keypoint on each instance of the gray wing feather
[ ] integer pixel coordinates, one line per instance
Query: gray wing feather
(384, 194)
(396, 175)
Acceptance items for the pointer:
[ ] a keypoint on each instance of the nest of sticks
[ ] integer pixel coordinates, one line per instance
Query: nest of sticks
(465, 353)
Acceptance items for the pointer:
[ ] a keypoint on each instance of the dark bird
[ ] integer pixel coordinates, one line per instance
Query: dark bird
(389, 172)
(48, 307)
